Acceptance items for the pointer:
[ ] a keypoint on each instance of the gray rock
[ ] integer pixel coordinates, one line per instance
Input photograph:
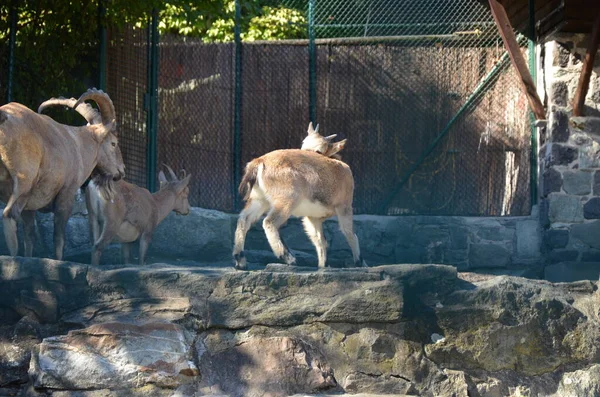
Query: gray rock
(572, 271)
(577, 182)
(562, 155)
(583, 382)
(488, 255)
(587, 233)
(556, 238)
(559, 120)
(111, 354)
(552, 181)
(565, 208)
(528, 239)
(557, 256)
(596, 183)
(591, 209)
(201, 235)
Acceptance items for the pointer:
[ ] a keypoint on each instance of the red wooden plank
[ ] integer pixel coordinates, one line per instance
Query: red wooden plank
(514, 51)
(586, 70)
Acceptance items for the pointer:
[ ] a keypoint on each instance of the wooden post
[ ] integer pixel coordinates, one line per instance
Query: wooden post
(586, 70)
(516, 57)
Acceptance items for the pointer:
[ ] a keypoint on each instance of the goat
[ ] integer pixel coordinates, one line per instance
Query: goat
(322, 144)
(43, 163)
(127, 212)
(304, 183)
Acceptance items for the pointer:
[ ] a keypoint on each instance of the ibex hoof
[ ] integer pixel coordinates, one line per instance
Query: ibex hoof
(289, 259)
(360, 263)
(240, 261)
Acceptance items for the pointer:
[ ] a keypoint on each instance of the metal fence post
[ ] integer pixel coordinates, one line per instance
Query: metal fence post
(11, 51)
(237, 107)
(534, 139)
(312, 64)
(102, 46)
(152, 101)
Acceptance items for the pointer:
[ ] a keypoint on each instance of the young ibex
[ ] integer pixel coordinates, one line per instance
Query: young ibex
(126, 212)
(43, 163)
(304, 183)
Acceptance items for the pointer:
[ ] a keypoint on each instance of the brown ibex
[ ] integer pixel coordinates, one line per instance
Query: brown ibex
(125, 212)
(43, 163)
(304, 183)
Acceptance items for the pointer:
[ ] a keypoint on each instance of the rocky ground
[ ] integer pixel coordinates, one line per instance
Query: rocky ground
(69, 329)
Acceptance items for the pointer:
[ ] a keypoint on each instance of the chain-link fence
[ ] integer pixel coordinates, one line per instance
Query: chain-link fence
(422, 89)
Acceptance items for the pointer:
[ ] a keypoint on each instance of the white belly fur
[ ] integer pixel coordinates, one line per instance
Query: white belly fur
(312, 209)
(127, 233)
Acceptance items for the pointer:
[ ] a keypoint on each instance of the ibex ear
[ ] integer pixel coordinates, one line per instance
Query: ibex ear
(183, 183)
(162, 179)
(330, 137)
(336, 147)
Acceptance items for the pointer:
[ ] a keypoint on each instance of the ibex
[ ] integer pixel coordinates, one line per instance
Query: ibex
(126, 212)
(301, 183)
(43, 163)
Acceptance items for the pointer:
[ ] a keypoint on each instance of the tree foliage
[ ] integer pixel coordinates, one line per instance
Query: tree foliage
(57, 40)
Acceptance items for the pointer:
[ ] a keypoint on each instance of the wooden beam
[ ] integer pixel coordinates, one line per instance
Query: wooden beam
(586, 70)
(516, 57)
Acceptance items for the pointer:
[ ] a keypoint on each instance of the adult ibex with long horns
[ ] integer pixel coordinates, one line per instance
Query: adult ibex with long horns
(307, 183)
(43, 163)
(125, 212)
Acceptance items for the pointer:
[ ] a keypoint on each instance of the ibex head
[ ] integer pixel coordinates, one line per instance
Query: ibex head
(102, 124)
(321, 144)
(179, 187)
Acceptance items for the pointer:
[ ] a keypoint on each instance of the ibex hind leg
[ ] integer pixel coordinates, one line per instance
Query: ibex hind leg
(251, 213)
(28, 218)
(12, 212)
(314, 230)
(345, 221)
(273, 221)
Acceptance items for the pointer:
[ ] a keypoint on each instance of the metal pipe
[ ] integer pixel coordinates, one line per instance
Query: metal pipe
(102, 46)
(481, 87)
(237, 108)
(534, 138)
(152, 105)
(11, 51)
(312, 64)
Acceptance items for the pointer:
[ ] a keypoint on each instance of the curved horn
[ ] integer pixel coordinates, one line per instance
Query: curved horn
(183, 173)
(171, 173)
(105, 104)
(90, 114)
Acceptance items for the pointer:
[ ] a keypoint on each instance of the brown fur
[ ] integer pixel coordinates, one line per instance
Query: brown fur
(296, 182)
(43, 163)
(126, 212)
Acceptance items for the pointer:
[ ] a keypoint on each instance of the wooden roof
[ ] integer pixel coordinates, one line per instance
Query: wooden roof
(552, 16)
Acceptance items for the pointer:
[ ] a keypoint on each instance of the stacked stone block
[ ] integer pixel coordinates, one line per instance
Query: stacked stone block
(570, 164)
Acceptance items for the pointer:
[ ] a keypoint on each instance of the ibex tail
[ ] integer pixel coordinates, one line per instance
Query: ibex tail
(249, 179)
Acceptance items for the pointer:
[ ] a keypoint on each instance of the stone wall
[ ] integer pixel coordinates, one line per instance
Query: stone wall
(570, 166)
(207, 236)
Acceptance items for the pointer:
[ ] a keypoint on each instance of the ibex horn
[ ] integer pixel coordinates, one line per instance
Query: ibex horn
(171, 173)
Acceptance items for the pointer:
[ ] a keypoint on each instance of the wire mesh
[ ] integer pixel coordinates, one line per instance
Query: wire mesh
(397, 77)
(423, 90)
(196, 86)
(126, 77)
